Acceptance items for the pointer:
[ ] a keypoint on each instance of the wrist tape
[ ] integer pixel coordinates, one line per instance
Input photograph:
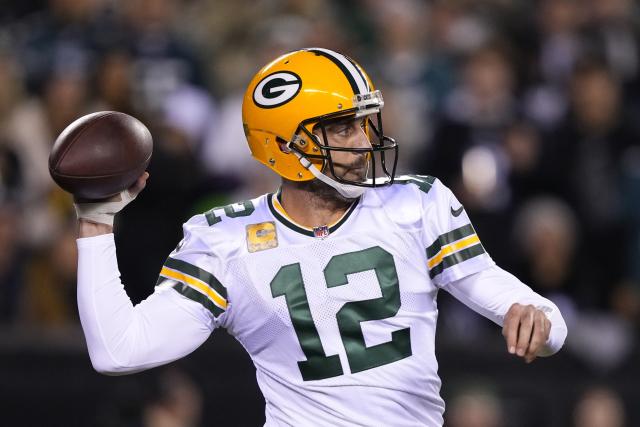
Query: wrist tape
(103, 212)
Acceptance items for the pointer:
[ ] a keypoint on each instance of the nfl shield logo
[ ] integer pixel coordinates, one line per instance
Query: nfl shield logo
(321, 232)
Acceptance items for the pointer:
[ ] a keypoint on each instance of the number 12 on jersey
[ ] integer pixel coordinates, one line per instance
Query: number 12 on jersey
(288, 283)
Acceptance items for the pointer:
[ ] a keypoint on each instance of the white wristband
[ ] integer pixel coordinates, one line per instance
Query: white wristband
(103, 212)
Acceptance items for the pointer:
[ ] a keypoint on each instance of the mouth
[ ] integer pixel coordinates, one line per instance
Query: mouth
(361, 163)
(355, 172)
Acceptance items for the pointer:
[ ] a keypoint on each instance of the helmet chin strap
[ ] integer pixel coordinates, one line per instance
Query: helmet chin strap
(346, 190)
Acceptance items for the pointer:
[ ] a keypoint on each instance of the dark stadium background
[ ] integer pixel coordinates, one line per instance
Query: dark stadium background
(528, 110)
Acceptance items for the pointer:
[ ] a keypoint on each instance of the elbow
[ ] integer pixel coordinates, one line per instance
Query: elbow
(105, 365)
(107, 371)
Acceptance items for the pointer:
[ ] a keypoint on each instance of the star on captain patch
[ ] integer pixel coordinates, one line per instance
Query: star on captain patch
(261, 236)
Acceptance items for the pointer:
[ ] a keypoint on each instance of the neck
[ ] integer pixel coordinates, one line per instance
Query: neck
(313, 203)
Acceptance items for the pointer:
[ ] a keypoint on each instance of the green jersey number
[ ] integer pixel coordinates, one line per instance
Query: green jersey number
(288, 283)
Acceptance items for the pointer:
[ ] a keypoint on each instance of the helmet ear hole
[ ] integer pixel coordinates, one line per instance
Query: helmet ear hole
(283, 145)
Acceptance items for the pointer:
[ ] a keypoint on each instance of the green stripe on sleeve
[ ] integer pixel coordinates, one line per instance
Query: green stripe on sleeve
(198, 297)
(456, 258)
(193, 295)
(198, 273)
(450, 237)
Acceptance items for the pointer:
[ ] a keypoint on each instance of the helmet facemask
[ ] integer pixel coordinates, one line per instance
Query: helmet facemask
(381, 156)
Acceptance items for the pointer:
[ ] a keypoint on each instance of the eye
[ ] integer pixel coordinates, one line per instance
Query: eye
(344, 130)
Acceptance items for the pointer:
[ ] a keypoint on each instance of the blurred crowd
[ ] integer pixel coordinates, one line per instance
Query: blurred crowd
(528, 110)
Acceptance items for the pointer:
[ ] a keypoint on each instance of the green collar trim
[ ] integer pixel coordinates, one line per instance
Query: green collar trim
(302, 230)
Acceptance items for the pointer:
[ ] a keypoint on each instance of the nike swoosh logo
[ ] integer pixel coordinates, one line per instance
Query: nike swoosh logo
(456, 212)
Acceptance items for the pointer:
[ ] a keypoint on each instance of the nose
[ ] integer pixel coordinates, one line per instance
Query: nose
(361, 140)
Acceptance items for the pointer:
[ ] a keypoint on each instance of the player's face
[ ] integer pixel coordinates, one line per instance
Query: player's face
(348, 133)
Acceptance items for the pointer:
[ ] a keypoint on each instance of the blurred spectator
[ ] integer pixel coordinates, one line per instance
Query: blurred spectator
(559, 48)
(546, 233)
(11, 174)
(32, 128)
(455, 28)
(478, 111)
(599, 407)
(61, 39)
(163, 61)
(49, 294)
(475, 406)
(597, 136)
(627, 301)
(190, 111)
(113, 82)
(12, 260)
(560, 44)
(178, 402)
(613, 34)
(525, 150)
(11, 90)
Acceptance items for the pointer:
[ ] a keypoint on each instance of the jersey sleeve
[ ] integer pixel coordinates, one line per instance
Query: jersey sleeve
(453, 248)
(190, 270)
(123, 338)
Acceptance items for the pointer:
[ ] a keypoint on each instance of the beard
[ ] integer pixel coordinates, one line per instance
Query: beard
(358, 169)
(327, 195)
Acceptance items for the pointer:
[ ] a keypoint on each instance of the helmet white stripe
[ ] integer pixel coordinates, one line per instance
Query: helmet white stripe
(356, 75)
(359, 70)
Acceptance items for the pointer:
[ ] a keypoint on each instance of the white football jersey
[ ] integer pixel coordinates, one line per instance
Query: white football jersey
(339, 320)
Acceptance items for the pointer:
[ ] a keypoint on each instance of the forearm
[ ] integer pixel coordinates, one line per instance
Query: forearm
(493, 291)
(122, 338)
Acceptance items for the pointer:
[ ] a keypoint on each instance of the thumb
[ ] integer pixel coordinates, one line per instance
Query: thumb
(139, 185)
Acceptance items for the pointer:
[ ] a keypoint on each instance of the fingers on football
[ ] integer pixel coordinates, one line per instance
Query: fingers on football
(511, 326)
(139, 185)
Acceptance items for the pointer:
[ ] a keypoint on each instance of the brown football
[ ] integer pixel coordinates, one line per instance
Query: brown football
(100, 154)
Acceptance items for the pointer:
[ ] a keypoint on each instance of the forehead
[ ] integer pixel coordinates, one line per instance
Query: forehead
(343, 120)
(334, 124)
(346, 120)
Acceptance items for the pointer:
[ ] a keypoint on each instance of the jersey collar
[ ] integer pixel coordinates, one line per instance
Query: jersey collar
(275, 206)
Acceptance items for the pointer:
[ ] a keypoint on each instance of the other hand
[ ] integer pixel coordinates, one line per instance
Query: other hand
(526, 330)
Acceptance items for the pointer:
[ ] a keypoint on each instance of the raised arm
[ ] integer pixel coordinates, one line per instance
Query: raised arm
(122, 338)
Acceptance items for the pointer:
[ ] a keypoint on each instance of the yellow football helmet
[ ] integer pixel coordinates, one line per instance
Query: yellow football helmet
(300, 92)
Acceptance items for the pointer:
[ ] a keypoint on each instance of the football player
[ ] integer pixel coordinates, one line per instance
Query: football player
(330, 282)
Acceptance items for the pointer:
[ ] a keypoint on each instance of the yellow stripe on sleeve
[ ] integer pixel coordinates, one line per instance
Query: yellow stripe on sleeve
(196, 284)
(453, 247)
